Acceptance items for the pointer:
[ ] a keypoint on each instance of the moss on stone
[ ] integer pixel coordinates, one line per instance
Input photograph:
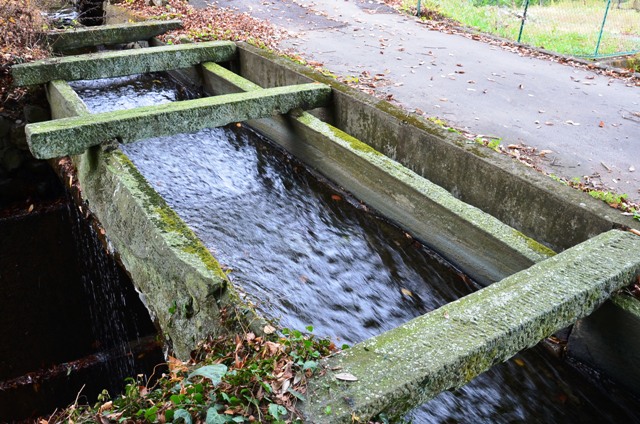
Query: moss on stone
(108, 34)
(534, 245)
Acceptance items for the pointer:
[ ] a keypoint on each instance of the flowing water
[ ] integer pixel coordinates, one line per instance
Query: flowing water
(308, 254)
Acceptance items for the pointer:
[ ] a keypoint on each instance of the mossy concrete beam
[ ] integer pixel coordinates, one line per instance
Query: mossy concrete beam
(479, 244)
(181, 283)
(446, 348)
(75, 38)
(71, 136)
(121, 62)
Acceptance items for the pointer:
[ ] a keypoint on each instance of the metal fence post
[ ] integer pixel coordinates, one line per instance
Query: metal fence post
(604, 20)
(524, 18)
(418, 14)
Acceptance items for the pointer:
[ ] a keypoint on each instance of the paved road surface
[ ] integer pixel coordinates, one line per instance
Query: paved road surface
(473, 85)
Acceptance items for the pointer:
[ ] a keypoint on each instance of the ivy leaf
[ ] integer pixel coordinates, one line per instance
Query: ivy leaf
(212, 372)
(277, 410)
(296, 394)
(310, 365)
(182, 415)
(214, 418)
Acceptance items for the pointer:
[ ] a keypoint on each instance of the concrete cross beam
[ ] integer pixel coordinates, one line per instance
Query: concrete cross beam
(446, 348)
(72, 136)
(75, 38)
(121, 62)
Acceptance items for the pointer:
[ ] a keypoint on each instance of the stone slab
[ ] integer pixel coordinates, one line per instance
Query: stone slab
(61, 40)
(448, 347)
(71, 136)
(121, 62)
(479, 244)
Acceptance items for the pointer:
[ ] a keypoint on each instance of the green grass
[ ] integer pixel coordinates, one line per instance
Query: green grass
(566, 26)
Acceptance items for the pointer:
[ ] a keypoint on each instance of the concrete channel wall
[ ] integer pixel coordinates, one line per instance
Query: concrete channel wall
(534, 204)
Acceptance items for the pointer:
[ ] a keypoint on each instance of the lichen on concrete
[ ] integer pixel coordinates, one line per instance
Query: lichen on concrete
(71, 136)
(121, 62)
(445, 348)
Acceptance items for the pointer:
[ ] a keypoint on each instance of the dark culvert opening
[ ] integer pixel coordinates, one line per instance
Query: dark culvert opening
(72, 323)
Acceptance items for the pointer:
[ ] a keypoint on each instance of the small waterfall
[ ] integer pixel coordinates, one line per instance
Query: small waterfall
(103, 281)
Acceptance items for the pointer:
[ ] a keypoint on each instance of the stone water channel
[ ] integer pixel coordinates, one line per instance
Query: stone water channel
(308, 254)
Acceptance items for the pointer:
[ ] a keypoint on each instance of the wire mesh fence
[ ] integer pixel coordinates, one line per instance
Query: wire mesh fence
(585, 28)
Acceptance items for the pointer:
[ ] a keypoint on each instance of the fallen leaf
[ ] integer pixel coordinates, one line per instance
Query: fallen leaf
(269, 329)
(545, 152)
(406, 292)
(106, 406)
(345, 376)
(519, 362)
(601, 124)
(336, 197)
(30, 209)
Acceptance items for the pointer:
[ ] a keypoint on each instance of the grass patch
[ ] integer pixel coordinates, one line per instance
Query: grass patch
(564, 26)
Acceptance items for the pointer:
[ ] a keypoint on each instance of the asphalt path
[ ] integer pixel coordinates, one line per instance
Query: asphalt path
(586, 123)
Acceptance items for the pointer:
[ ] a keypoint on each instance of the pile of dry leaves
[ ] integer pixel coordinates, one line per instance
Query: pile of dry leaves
(21, 24)
(212, 23)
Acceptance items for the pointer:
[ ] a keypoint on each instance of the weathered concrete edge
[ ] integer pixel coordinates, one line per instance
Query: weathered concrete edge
(536, 205)
(478, 243)
(446, 348)
(121, 62)
(64, 101)
(182, 284)
(74, 135)
(75, 38)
